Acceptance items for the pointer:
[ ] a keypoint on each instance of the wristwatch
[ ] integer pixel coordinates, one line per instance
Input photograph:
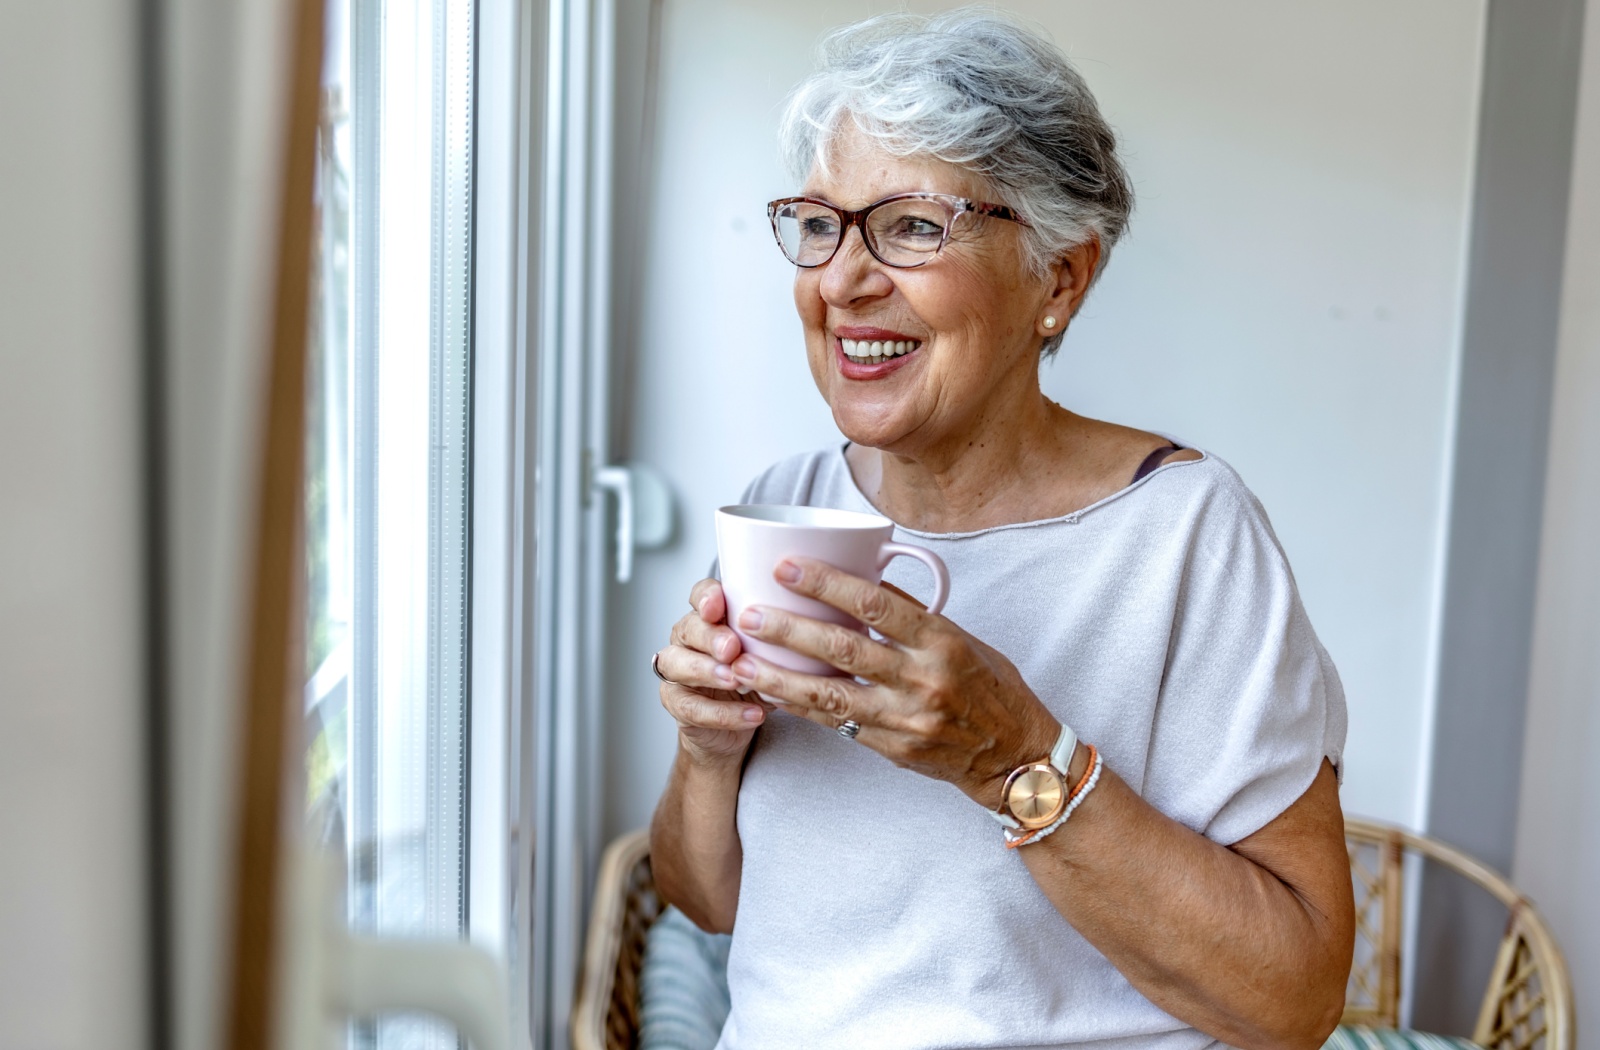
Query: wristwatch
(1037, 793)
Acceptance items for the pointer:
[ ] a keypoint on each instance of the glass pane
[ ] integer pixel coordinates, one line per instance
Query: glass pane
(388, 472)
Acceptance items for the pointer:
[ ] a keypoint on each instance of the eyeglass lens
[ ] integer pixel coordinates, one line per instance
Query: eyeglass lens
(901, 233)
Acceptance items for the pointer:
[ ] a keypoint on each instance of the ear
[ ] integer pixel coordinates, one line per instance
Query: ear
(1070, 277)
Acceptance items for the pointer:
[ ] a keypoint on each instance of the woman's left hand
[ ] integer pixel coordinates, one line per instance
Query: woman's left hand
(936, 700)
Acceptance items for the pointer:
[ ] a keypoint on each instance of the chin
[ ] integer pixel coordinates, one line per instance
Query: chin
(872, 427)
(875, 415)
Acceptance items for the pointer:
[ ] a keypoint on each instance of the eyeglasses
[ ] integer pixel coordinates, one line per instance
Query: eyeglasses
(905, 230)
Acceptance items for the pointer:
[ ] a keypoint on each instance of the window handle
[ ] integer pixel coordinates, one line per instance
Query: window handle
(644, 510)
(337, 974)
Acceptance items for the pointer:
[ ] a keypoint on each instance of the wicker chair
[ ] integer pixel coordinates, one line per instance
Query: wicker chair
(1528, 1004)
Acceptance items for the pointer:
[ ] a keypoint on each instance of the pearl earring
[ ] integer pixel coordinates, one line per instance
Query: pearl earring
(1049, 321)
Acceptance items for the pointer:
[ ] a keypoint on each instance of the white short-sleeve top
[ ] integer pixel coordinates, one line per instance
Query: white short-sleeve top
(1161, 623)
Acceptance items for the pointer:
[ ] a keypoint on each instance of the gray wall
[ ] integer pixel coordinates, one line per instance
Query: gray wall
(1558, 851)
(72, 794)
(1519, 219)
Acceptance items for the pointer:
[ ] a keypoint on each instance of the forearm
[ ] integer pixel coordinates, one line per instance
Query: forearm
(694, 840)
(1203, 932)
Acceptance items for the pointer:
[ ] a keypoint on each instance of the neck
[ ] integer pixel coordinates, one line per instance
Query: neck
(986, 474)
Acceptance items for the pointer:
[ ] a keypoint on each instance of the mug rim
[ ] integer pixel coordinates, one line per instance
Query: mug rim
(853, 519)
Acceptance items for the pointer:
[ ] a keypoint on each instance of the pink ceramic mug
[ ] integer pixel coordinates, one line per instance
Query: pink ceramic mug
(751, 540)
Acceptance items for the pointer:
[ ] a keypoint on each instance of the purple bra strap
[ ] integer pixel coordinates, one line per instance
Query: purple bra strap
(1152, 461)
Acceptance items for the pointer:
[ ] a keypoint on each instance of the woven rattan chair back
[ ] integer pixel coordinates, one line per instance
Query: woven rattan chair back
(1528, 1004)
(606, 1015)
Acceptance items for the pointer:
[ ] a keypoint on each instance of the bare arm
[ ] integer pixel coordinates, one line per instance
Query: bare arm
(1250, 944)
(694, 843)
(694, 838)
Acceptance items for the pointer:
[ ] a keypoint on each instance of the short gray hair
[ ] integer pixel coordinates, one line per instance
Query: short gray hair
(980, 90)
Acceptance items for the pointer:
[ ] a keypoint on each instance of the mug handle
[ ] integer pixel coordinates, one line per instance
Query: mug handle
(941, 575)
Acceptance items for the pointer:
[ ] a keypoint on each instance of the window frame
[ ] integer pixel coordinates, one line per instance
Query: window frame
(541, 426)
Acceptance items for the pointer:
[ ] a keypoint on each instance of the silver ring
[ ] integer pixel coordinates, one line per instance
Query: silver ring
(655, 666)
(849, 728)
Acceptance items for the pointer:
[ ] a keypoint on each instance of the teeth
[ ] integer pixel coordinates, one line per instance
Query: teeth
(865, 351)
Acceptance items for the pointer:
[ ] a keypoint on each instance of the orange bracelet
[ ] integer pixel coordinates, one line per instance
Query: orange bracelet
(1087, 770)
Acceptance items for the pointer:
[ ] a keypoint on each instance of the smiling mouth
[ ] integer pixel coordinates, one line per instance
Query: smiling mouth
(874, 352)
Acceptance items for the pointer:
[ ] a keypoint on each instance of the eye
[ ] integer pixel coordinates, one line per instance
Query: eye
(916, 227)
(818, 226)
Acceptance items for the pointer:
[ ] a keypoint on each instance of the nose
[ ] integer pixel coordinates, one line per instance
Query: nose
(853, 274)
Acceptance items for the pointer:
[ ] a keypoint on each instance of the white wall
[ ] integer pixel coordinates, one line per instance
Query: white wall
(72, 862)
(1289, 298)
(1558, 849)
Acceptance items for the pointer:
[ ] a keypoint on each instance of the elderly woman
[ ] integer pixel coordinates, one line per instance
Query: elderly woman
(961, 192)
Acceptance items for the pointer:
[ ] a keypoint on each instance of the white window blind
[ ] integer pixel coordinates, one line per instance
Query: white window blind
(389, 472)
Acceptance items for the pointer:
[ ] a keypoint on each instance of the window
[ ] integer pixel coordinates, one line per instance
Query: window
(389, 485)
(457, 550)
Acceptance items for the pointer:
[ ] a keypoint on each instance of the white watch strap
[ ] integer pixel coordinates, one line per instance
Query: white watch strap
(1061, 754)
(1060, 757)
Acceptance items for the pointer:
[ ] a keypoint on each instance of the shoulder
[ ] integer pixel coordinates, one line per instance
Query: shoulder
(1218, 512)
(804, 479)
(1196, 479)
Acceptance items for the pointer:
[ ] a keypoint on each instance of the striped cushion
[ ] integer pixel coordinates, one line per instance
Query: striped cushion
(683, 997)
(1356, 1037)
(683, 985)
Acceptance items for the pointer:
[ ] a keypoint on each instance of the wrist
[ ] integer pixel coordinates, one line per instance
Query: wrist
(1032, 746)
(699, 760)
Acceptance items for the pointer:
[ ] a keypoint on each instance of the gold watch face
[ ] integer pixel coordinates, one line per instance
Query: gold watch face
(1036, 795)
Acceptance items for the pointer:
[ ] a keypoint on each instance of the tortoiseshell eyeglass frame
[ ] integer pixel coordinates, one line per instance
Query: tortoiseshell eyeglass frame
(957, 206)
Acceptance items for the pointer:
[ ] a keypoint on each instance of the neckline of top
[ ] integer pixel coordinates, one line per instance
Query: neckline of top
(1070, 518)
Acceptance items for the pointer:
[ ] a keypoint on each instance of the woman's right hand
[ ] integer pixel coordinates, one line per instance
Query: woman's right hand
(715, 721)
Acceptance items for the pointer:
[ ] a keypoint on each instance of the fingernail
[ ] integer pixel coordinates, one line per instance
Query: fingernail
(753, 714)
(744, 670)
(750, 619)
(723, 674)
(703, 603)
(788, 572)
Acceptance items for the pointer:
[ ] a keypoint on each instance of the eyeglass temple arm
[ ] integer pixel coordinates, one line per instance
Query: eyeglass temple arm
(999, 211)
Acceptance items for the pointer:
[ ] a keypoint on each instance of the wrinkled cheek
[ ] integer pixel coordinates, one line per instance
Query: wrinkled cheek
(819, 356)
(808, 299)
(808, 304)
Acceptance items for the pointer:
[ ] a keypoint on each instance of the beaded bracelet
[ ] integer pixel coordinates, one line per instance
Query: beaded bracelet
(1091, 777)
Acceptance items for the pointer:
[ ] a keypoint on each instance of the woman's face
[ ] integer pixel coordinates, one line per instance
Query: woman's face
(972, 312)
